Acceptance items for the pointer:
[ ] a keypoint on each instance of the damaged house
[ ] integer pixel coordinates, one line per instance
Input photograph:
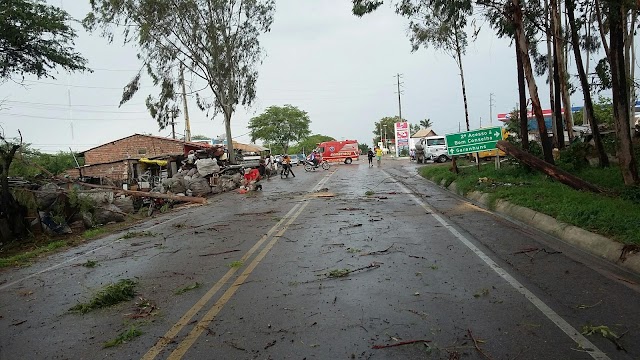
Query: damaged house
(139, 161)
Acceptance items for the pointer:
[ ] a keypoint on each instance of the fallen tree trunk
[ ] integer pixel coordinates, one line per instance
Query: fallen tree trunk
(551, 170)
(193, 199)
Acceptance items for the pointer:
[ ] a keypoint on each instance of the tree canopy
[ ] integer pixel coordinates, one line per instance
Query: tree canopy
(426, 123)
(385, 127)
(308, 144)
(280, 125)
(35, 38)
(216, 41)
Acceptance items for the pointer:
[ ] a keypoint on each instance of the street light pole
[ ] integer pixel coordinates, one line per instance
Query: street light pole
(386, 145)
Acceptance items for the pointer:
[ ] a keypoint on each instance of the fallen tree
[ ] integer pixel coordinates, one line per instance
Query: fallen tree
(551, 170)
(156, 195)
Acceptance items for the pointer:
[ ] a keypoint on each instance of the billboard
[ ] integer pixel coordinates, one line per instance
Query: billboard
(402, 136)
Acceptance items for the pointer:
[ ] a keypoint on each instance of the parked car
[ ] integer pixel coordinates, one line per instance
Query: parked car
(294, 160)
(301, 158)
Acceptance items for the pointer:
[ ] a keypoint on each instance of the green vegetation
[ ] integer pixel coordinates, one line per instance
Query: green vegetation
(369, 193)
(110, 295)
(336, 273)
(95, 232)
(23, 258)
(614, 215)
(187, 288)
(236, 264)
(308, 144)
(125, 336)
(601, 330)
(135, 234)
(90, 264)
(280, 126)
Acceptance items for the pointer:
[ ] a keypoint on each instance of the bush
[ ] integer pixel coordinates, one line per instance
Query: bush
(574, 157)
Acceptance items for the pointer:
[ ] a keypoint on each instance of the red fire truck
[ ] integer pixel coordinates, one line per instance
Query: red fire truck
(339, 151)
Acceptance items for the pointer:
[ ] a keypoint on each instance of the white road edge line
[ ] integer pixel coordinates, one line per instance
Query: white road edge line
(582, 341)
(53, 267)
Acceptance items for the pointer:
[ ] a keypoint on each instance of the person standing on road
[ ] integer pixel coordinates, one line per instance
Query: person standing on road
(370, 156)
(286, 164)
(269, 164)
(378, 155)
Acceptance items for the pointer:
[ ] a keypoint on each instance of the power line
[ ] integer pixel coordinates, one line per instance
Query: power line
(67, 105)
(52, 108)
(79, 86)
(65, 119)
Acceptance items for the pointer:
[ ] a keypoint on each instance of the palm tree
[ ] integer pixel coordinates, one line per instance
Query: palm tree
(426, 123)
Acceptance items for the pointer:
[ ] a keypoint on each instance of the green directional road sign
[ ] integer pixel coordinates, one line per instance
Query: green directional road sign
(473, 141)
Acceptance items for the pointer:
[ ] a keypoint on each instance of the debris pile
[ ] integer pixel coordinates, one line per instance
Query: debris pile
(60, 210)
(202, 176)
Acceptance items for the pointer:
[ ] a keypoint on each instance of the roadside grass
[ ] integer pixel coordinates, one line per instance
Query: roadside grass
(110, 295)
(614, 216)
(125, 336)
(25, 257)
(94, 232)
(135, 234)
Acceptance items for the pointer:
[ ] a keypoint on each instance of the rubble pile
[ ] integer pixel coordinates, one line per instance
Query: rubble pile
(60, 211)
(195, 179)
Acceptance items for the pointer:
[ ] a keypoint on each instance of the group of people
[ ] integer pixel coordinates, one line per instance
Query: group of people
(269, 165)
(377, 154)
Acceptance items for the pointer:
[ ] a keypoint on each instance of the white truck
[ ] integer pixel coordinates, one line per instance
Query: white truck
(432, 148)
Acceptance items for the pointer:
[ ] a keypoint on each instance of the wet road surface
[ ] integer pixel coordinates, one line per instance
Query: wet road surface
(334, 264)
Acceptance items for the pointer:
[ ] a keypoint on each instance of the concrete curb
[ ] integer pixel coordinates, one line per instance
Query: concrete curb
(594, 244)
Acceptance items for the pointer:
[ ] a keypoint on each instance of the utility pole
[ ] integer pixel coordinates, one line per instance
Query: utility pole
(187, 126)
(173, 123)
(398, 76)
(490, 109)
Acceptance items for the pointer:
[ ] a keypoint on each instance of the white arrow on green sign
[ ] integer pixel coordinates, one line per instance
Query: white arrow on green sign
(473, 141)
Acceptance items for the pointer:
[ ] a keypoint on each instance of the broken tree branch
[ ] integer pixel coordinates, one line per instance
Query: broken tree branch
(219, 253)
(475, 343)
(350, 226)
(400, 344)
(379, 252)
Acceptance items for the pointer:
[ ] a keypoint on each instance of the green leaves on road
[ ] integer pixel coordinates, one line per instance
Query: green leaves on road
(112, 294)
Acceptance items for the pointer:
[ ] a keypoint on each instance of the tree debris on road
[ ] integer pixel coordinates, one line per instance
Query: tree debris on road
(349, 227)
(400, 344)
(379, 252)
(219, 253)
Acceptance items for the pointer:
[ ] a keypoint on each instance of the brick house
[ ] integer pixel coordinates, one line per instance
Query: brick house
(118, 160)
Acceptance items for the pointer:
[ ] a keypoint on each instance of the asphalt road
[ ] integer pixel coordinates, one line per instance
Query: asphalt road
(335, 264)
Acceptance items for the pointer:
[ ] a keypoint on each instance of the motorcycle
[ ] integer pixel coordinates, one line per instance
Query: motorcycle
(286, 170)
(154, 204)
(310, 166)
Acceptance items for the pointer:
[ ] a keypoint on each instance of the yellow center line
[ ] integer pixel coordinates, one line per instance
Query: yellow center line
(203, 324)
(186, 318)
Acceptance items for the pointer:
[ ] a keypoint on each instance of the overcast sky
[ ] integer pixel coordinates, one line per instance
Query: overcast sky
(318, 56)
